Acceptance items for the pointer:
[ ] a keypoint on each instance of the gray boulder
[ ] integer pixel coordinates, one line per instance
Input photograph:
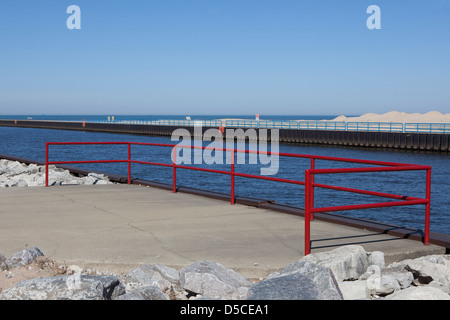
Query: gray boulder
(403, 276)
(377, 282)
(382, 282)
(23, 258)
(213, 280)
(12, 168)
(382, 286)
(420, 293)
(161, 277)
(96, 178)
(144, 293)
(168, 273)
(60, 177)
(74, 287)
(354, 290)
(295, 286)
(347, 262)
(322, 278)
(376, 258)
(432, 270)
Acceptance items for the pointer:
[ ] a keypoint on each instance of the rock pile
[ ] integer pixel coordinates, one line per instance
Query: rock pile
(16, 174)
(345, 273)
(363, 275)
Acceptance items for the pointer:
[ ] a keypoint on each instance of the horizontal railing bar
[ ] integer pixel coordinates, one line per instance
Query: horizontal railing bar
(269, 178)
(369, 205)
(360, 191)
(367, 192)
(86, 142)
(86, 161)
(371, 169)
(283, 154)
(203, 169)
(152, 163)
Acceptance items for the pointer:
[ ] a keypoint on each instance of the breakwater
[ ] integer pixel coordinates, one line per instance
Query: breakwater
(433, 142)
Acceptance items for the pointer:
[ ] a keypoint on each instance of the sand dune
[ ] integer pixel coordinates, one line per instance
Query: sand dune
(403, 117)
(392, 116)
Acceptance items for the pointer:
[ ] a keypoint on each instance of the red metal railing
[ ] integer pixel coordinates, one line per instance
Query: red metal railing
(308, 182)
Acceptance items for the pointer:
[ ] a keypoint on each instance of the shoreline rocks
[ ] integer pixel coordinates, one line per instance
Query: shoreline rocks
(76, 287)
(16, 174)
(346, 273)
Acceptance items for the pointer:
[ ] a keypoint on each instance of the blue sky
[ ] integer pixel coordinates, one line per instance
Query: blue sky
(287, 57)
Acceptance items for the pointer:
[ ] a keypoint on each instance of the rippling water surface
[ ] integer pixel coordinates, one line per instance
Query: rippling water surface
(30, 143)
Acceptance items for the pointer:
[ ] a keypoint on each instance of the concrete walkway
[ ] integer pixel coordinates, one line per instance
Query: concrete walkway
(119, 227)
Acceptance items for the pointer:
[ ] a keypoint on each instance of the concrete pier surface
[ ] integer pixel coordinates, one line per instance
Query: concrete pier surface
(117, 227)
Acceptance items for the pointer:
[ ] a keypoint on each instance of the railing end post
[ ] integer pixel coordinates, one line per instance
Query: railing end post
(232, 177)
(174, 170)
(129, 163)
(46, 164)
(426, 239)
(307, 212)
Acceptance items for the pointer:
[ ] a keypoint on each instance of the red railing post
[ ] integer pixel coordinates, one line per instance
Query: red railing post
(312, 187)
(129, 163)
(426, 240)
(174, 169)
(232, 177)
(307, 212)
(46, 164)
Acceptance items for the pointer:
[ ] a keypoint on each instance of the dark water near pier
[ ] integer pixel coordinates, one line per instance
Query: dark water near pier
(30, 143)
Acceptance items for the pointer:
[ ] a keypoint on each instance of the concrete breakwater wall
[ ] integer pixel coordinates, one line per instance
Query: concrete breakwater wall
(432, 142)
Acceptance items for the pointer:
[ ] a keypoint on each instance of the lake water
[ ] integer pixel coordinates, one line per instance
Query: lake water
(30, 143)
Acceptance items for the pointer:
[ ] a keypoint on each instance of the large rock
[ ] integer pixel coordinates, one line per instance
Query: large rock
(322, 277)
(377, 282)
(23, 258)
(213, 280)
(303, 280)
(354, 290)
(420, 293)
(296, 286)
(12, 168)
(376, 258)
(144, 293)
(168, 273)
(96, 178)
(382, 286)
(403, 276)
(382, 282)
(433, 271)
(347, 263)
(158, 276)
(75, 287)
